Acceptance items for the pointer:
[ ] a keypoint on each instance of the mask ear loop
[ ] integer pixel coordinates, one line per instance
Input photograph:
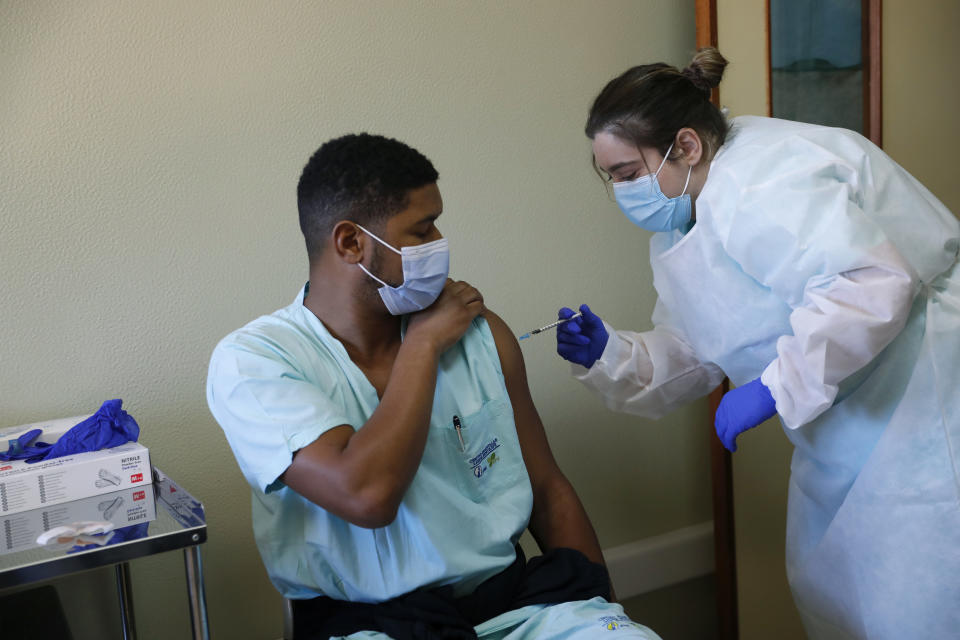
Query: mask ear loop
(396, 251)
(689, 171)
(664, 161)
(371, 275)
(365, 270)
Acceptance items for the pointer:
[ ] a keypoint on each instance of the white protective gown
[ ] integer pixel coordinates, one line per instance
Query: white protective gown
(819, 264)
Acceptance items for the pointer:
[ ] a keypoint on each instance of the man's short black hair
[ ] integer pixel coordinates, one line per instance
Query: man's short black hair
(363, 178)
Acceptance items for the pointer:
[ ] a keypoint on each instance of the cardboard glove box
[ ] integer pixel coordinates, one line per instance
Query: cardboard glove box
(25, 486)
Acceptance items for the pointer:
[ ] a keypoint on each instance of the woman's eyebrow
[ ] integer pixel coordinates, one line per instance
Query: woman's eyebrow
(619, 165)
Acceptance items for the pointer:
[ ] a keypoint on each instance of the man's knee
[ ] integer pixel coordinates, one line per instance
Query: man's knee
(583, 620)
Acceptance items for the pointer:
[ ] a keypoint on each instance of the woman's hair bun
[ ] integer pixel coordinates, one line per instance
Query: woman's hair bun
(706, 69)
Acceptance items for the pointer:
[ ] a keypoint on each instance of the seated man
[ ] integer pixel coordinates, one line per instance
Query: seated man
(384, 423)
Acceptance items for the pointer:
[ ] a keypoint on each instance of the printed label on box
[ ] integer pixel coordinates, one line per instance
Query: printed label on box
(25, 486)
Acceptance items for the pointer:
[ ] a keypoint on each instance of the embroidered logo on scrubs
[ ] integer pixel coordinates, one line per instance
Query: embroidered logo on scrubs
(485, 459)
(612, 623)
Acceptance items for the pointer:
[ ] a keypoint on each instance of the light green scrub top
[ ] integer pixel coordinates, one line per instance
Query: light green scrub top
(281, 381)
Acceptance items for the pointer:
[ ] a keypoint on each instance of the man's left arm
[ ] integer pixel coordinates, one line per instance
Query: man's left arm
(558, 518)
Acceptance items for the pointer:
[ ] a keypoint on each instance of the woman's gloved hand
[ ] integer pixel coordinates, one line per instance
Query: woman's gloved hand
(581, 340)
(743, 408)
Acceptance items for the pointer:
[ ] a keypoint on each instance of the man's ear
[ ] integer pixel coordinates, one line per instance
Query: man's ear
(348, 241)
(689, 143)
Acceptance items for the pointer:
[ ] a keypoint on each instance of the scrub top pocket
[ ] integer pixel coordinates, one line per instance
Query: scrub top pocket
(476, 451)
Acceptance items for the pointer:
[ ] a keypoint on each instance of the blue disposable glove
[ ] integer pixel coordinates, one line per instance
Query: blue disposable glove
(743, 408)
(581, 340)
(110, 426)
(21, 449)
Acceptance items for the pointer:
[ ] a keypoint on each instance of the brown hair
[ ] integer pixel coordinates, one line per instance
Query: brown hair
(648, 104)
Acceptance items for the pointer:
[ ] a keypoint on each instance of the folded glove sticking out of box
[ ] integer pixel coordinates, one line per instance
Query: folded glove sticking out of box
(110, 426)
(121, 534)
(81, 536)
(21, 449)
(87, 531)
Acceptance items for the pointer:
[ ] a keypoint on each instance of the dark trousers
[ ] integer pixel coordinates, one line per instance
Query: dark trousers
(560, 575)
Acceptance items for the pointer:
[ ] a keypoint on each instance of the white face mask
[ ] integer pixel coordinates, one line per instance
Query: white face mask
(643, 202)
(425, 270)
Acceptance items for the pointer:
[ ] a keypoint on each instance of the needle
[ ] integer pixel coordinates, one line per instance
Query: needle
(549, 326)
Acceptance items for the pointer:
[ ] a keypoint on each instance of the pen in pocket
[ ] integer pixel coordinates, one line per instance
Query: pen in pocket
(456, 425)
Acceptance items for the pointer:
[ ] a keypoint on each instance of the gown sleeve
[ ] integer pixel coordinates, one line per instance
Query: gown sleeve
(649, 373)
(797, 225)
(266, 407)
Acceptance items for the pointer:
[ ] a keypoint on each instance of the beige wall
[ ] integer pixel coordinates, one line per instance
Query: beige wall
(921, 132)
(921, 95)
(742, 39)
(148, 158)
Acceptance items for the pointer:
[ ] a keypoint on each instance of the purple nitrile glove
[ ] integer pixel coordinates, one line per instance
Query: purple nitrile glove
(743, 408)
(581, 340)
(21, 449)
(110, 426)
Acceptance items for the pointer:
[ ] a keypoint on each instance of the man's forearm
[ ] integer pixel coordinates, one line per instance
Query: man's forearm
(559, 520)
(390, 445)
(362, 474)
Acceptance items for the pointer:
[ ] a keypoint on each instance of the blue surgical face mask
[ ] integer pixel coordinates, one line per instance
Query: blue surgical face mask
(646, 206)
(425, 269)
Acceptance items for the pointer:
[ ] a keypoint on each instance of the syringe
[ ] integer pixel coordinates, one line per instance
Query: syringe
(549, 326)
